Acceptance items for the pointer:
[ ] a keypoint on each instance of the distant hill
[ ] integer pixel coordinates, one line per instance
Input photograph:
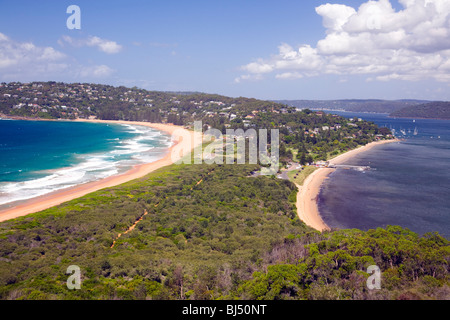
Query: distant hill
(354, 105)
(57, 100)
(432, 110)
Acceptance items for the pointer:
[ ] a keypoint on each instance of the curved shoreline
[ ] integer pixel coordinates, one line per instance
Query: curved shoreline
(307, 196)
(184, 141)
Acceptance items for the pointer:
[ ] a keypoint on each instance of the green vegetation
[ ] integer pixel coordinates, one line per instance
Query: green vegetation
(307, 136)
(206, 231)
(53, 100)
(332, 266)
(229, 236)
(299, 176)
(212, 237)
(433, 110)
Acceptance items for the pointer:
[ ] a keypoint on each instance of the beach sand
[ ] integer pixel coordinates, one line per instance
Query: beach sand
(307, 208)
(184, 141)
(307, 197)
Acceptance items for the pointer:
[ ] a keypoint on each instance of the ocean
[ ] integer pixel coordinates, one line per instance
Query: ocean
(39, 157)
(408, 183)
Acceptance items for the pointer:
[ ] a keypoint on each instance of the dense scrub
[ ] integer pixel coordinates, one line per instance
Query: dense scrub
(333, 266)
(210, 232)
(205, 231)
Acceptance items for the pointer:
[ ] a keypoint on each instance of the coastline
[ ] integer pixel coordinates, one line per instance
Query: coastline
(184, 140)
(307, 196)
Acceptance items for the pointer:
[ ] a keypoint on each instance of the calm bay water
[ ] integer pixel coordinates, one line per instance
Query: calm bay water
(38, 157)
(408, 185)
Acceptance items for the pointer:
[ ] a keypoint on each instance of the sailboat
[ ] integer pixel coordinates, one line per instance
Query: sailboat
(416, 132)
(403, 131)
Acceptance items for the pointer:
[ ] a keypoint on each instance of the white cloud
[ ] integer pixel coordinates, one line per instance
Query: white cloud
(107, 46)
(96, 71)
(289, 75)
(15, 56)
(3, 37)
(24, 61)
(335, 15)
(375, 40)
(249, 77)
(258, 67)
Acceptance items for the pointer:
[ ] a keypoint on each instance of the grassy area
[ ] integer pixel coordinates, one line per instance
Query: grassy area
(299, 177)
(294, 153)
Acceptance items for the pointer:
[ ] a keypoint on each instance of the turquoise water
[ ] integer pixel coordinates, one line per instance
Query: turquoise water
(408, 184)
(38, 157)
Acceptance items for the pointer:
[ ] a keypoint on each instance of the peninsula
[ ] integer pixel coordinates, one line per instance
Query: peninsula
(432, 110)
(164, 231)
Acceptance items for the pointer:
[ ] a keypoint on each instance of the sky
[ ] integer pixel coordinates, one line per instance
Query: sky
(283, 49)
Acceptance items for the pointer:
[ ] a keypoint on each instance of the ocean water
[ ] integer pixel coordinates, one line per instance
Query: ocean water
(408, 184)
(39, 157)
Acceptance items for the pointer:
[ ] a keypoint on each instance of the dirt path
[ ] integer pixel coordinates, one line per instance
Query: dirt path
(201, 180)
(130, 228)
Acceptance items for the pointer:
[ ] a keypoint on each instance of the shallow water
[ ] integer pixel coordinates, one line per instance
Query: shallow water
(39, 157)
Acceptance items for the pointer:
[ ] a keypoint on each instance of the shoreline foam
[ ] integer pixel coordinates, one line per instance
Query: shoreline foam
(307, 197)
(115, 154)
(174, 153)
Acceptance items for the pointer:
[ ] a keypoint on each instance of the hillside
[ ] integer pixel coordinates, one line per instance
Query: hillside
(309, 135)
(433, 110)
(375, 106)
(230, 236)
(56, 100)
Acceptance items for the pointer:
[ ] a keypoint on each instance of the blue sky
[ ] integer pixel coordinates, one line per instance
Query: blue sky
(262, 49)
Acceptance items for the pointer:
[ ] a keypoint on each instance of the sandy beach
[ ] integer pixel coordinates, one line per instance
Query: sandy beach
(307, 207)
(184, 141)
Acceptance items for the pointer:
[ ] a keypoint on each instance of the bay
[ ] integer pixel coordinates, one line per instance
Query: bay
(408, 184)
